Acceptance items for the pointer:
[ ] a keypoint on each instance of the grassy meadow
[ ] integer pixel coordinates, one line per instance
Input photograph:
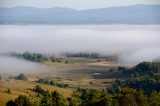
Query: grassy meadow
(79, 72)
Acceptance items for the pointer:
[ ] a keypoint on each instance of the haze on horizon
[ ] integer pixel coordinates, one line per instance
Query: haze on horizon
(75, 4)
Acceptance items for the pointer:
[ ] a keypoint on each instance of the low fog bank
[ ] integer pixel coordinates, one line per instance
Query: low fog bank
(12, 65)
(151, 54)
(132, 43)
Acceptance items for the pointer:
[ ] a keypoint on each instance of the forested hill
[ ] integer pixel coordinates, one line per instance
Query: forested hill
(137, 14)
(144, 76)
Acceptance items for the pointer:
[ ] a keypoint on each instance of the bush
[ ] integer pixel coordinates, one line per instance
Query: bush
(52, 82)
(8, 91)
(66, 61)
(0, 78)
(41, 91)
(11, 103)
(20, 101)
(21, 77)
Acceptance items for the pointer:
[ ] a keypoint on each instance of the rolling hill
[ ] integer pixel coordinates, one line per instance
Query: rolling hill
(137, 14)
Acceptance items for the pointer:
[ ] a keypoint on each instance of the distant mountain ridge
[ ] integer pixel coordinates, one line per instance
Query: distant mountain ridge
(137, 14)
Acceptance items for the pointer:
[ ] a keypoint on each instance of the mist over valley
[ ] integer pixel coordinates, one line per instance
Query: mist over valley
(131, 43)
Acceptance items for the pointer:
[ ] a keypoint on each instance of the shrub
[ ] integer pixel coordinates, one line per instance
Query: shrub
(21, 77)
(8, 91)
(20, 101)
(0, 78)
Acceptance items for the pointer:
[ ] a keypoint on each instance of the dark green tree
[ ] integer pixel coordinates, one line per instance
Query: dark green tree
(11, 103)
(21, 77)
(58, 99)
(20, 101)
(8, 91)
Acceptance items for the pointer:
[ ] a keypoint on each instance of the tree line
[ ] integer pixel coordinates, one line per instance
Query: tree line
(86, 55)
(52, 82)
(89, 97)
(37, 57)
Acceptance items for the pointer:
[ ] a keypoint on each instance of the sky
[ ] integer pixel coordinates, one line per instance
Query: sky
(75, 4)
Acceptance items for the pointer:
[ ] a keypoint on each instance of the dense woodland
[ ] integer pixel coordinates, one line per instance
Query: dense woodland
(144, 76)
